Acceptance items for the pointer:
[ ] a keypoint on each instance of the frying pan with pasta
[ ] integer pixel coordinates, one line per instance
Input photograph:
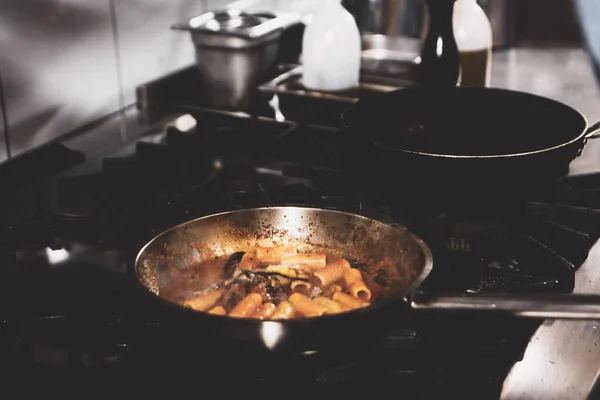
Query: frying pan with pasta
(337, 280)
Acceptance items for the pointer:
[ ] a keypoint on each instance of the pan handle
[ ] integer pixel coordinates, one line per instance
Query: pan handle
(593, 132)
(554, 306)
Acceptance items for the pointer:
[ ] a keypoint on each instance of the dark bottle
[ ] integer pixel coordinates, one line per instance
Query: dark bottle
(440, 60)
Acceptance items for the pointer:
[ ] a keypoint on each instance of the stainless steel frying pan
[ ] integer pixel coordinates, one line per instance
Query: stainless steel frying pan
(409, 262)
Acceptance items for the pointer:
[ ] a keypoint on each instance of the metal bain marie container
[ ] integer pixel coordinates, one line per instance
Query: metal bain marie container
(235, 51)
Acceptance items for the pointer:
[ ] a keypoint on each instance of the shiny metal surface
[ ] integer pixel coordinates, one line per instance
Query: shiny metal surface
(147, 47)
(58, 67)
(348, 235)
(562, 361)
(70, 63)
(389, 56)
(308, 229)
(392, 252)
(297, 6)
(229, 77)
(558, 306)
(223, 27)
(290, 84)
(231, 62)
(387, 63)
(229, 21)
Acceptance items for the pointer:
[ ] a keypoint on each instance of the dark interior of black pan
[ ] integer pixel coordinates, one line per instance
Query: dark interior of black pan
(465, 121)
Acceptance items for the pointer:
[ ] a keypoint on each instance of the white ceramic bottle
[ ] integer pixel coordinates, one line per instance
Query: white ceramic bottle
(473, 35)
(331, 49)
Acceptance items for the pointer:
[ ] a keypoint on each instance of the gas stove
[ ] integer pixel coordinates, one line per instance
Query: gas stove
(70, 224)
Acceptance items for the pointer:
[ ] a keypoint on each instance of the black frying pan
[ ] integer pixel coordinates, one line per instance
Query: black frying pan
(350, 235)
(463, 139)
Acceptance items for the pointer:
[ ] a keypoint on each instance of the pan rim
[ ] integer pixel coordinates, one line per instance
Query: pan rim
(487, 156)
(403, 295)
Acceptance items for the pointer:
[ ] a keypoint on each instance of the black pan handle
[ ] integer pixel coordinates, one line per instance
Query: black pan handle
(593, 132)
(554, 306)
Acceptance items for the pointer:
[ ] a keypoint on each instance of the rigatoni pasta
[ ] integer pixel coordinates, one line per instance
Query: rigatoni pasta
(265, 311)
(299, 286)
(356, 285)
(313, 261)
(205, 301)
(247, 307)
(249, 261)
(296, 271)
(333, 306)
(284, 310)
(349, 301)
(331, 289)
(306, 307)
(273, 255)
(218, 310)
(279, 283)
(331, 273)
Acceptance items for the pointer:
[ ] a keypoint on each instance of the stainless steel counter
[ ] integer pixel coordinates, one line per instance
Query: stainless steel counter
(562, 361)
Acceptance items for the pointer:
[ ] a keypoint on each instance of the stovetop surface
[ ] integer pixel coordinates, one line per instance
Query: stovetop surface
(67, 237)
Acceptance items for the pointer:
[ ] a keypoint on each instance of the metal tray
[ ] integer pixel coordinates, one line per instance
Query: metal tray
(386, 64)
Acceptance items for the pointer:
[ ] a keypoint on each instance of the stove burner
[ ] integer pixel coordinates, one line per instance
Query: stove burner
(68, 249)
(418, 361)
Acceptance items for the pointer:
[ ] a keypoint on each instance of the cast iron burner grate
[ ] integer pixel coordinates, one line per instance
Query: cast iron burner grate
(413, 358)
(229, 162)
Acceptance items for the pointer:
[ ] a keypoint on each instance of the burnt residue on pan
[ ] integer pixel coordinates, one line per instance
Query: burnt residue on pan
(391, 258)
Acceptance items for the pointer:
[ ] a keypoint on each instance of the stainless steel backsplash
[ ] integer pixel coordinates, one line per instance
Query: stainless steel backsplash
(67, 63)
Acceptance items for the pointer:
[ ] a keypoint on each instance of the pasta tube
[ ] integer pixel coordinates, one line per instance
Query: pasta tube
(355, 284)
(289, 271)
(264, 311)
(331, 273)
(218, 310)
(301, 287)
(204, 302)
(332, 289)
(313, 261)
(306, 307)
(284, 310)
(332, 305)
(249, 262)
(349, 302)
(247, 306)
(273, 255)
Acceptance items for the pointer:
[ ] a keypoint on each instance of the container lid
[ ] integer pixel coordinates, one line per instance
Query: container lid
(232, 22)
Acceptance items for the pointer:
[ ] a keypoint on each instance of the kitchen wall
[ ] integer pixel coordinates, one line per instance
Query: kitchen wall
(58, 67)
(67, 63)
